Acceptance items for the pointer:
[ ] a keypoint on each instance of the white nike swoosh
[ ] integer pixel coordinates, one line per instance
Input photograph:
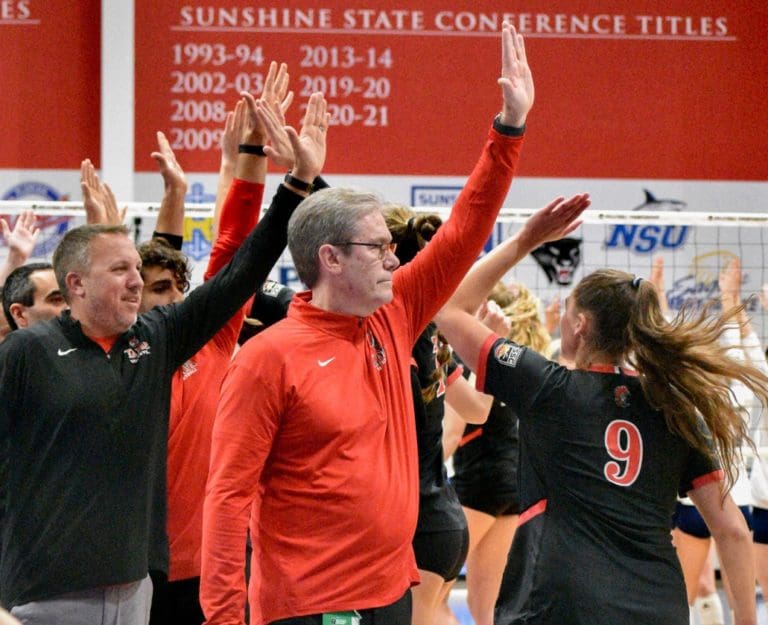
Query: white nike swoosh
(324, 363)
(64, 352)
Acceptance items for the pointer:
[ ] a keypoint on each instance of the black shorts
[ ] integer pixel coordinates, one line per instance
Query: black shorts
(442, 553)
(397, 613)
(760, 525)
(689, 520)
(492, 501)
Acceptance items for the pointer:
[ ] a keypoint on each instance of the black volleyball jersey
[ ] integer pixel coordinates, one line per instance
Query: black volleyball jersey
(599, 474)
(439, 507)
(487, 452)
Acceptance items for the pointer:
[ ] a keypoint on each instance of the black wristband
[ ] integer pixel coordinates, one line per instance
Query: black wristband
(306, 187)
(509, 131)
(319, 183)
(247, 148)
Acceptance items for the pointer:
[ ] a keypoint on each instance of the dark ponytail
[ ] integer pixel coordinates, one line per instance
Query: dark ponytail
(410, 231)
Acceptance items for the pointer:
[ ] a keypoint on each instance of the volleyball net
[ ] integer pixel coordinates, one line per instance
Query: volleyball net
(695, 247)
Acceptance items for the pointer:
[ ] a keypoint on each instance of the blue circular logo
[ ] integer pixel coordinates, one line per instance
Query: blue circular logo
(52, 228)
(32, 189)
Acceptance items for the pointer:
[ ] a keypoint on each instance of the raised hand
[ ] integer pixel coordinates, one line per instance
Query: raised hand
(552, 316)
(554, 221)
(270, 109)
(309, 147)
(21, 238)
(492, 316)
(516, 80)
(280, 148)
(98, 200)
(172, 173)
(729, 282)
(170, 216)
(234, 131)
(276, 94)
(275, 82)
(657, 279)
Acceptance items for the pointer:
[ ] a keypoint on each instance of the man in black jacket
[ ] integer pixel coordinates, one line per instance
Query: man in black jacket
(84, 404)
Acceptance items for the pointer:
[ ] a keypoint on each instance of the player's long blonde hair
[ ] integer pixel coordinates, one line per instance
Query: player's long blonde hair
(522, 309)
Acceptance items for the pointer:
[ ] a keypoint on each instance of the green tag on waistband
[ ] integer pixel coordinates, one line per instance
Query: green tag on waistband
(342, 618)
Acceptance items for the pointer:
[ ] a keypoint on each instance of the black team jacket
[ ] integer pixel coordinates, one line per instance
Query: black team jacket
(86, 432)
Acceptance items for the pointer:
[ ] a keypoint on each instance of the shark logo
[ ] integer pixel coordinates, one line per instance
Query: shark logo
(652, 203)
(648, 238)
(559, 259)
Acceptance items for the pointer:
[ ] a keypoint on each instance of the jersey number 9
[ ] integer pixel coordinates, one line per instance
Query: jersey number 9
(625, 445)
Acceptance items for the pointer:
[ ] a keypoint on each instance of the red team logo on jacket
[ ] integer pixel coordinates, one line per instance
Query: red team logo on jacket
(379, 355)
(136, 350)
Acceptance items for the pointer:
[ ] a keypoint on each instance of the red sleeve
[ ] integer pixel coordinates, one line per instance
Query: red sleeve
(239, 215)
(427, 282)
(714, 476)
(245, 426)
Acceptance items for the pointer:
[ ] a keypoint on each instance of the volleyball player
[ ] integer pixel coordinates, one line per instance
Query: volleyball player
(485, 466)
(604, 450)
(442, 539)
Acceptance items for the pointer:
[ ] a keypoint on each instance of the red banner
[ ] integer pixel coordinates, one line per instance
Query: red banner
(646, 90)
(50, 81)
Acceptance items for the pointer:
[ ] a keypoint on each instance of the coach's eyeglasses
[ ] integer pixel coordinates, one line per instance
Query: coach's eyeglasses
(381, 248)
